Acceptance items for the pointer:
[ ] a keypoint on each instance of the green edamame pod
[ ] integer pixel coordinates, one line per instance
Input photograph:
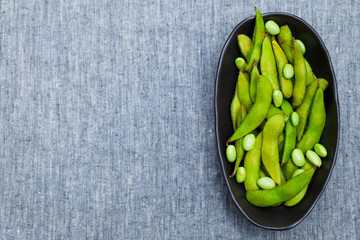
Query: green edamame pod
(240, 63)
(241, 115)
(281, 60)
(316, 123)
(286, 108)
(245, 45)
(239, 143)
(290, 134)
(270, 148)
(267, 198)
(281, 140)
(286, 41)
(234, 109)
(309, 73)
(253, 81)
(295, 200)
(243, 90)
(290, 142)
(288, 169)
(252, 165)
(300, 76)
(258, 37)
(304, 109)
(268, 64)
(273, 111)
(258, 111)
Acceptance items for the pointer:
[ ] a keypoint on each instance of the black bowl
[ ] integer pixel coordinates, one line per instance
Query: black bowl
(281, 217)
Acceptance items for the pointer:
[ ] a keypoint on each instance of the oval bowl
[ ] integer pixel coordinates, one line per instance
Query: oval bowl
(281, 217)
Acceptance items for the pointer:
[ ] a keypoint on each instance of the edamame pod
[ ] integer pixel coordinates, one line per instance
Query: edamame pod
(245, 45)
(240, 63)
(316, 123)
(258, 37)
(258, 111)
(253, 81)
(304, 109)
(295, 200)
(273, 111)
(238, 143)
(268, 64)
(234, 109)
(267, 198)
(243, 91)
(286, 108)
(285, 41)
(270, 152)
(252, 165)
(290, 142)
(300, 76)
(241, 115)
(309, 73)
(281, 60)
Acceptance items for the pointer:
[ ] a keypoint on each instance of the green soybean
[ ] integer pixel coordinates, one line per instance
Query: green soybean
(309, 73)
(249, 142)
(240, 63)
(277, 98)
(272, 27)
(258, 111)
(297, 157)
(300, 76)
(320, 150)
(238, 143)
(245, 45)
(252, 165)
(295, 119)
(231, 153)
(267, 198)
(234, 109)
(286, 85)
(295, 200)
(316, 123)
(285, 41)
(302, 46)
(289, 143)
(297, 172)
(240, 174)
(288, 71)
(313, 158)
(304, 109)
(243, 90)
(268, 64)
(266, 183)
(270, 152)
(273, 111)
(253, 81)
(258, 37)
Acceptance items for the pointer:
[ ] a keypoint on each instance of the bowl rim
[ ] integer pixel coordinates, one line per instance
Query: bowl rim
(217, 114)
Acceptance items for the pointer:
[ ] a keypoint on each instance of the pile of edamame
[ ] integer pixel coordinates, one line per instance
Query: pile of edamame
(278, 116)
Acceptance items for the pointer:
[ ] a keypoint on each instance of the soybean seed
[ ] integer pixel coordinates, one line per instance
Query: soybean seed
(288, 71)
(249, 142)
(320, 150)
(272, 27)
(302, 46)
(278, 98)
(240, 174)
(313, 158)
(266, 183)
(298, 157)
(231, 153)
(240, 63)
(295, 118)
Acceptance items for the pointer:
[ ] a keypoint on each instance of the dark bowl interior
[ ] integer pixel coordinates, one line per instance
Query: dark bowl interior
(281, 217)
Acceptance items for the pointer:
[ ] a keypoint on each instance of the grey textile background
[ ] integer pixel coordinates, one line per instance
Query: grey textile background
(107, 120)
